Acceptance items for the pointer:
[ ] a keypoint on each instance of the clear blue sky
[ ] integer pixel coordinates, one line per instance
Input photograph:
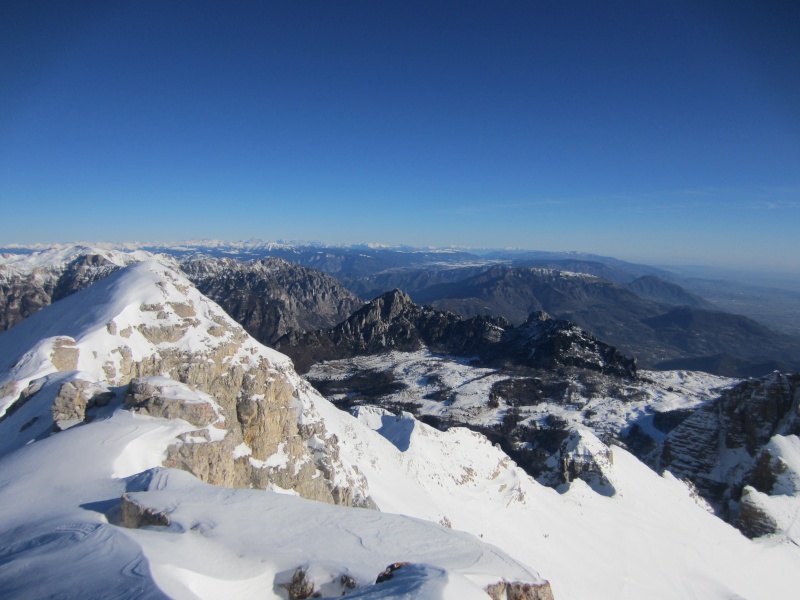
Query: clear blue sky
(648, 130)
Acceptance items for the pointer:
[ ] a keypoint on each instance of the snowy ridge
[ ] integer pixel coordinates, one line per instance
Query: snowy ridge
(57, 256)
(101, 320)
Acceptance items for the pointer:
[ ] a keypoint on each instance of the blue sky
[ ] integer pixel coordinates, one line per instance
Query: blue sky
(651, 131)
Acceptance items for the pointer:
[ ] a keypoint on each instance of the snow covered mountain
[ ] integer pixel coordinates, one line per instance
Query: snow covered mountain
(31, 281)
(268, 297)
(140, 372)
(149, 447)
(655, 320)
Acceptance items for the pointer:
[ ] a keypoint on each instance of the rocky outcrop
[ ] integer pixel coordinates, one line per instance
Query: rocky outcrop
(21, 296)
(548, 343)
(581, 456)
(271, 297)
(393, 322)
(134, 515)
(248, 418)
(754, 520)
(502, 590)
(725, 446)
(160, 397)
(390, 322)
(516, 590)
(65, 355)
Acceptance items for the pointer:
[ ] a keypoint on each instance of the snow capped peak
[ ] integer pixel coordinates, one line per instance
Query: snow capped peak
(61, 254)
(144, 308)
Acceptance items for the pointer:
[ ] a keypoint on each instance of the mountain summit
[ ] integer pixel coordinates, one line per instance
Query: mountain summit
(393, 322)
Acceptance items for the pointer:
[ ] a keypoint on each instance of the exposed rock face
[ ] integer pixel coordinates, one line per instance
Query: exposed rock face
(253, 416)
(65, 354)
(753, 519)
(134, 515)
(21, 296)
(82, 272)
(70, 404)
(300, 588)
(393, 322)
(726, 445)
(250, 435)
(502, 590)
(547, 343)
(516, 590)
(390, 322)
(271, 297)
(151, 396)
(581, 456)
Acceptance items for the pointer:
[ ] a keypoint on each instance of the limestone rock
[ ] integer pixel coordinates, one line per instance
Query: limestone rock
(753, 520)
(271, 297)
(144, 396)
(582, 456)
(65, 355)
(70, 404)
(300, 587)
(134, 515)
(516, 590)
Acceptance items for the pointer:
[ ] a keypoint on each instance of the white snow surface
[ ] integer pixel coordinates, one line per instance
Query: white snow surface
(423, 372)
(59, 532)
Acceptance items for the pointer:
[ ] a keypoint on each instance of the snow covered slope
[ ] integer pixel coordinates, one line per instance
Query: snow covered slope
(651, 539)
(140, 372)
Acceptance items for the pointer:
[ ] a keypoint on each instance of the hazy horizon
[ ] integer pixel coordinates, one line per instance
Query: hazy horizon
(650, 132)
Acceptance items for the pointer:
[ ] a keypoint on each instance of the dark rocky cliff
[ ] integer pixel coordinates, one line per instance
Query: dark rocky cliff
(724, 446)
(271, 297)
(393, 322)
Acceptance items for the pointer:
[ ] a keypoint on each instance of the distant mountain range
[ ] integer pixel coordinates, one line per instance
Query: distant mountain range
(632, 307)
